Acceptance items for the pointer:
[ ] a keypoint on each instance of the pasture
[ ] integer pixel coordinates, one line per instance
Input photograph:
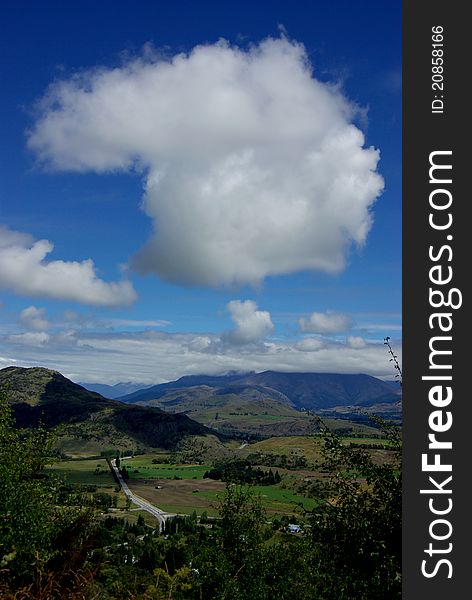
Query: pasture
(142, 467)
(88, 472)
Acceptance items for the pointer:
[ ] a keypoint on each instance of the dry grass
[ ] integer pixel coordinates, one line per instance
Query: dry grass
(178, 495)
(306, 446)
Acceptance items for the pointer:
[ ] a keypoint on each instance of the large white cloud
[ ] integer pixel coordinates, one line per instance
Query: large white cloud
(25, 270)
(253, 167)
(325, 323)
(251, 325)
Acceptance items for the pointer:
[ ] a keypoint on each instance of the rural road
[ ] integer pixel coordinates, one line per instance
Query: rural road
(159, 514)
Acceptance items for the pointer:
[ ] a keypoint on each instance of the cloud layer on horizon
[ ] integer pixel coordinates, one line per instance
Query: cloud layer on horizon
(252, 166)
(86, 349)
(156, 356)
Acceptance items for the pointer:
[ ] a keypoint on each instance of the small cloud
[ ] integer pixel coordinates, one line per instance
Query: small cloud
(325, 323)
(310, 344)
(34, 318)
(78, 320)
(251, 325)
(138, 323)
(199, 344)
(25, 270)
(354, 341)
(65, 338)
(30, 339)
(282, 30)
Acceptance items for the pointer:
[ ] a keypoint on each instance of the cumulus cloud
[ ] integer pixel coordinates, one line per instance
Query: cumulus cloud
(252, 166)
(325, 323)
(34, 318)
(25, 270)
(251, 325)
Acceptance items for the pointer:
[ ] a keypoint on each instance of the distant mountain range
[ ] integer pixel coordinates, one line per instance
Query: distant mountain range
(43, 395)
(311, 391)
(113, 391)
(270, 403)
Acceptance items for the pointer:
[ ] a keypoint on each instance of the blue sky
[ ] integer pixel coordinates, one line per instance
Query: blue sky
(232, 215)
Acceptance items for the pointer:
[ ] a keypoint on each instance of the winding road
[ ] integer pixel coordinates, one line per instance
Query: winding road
(159, 514)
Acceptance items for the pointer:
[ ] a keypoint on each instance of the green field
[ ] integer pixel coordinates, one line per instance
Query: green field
(142, 467)
(83, 471)
(274, 499)
(307, 446)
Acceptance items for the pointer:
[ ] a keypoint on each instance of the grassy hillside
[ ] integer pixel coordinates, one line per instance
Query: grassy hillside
(37, 385)
(42, 395)
(247, 411)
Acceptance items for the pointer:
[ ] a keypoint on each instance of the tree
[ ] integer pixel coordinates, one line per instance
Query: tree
(242, 518)
(243, 561)
(26, 523)
(356, 529)
(42, 545)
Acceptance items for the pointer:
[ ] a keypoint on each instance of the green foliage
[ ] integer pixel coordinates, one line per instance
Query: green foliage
(356, 530)
(242, 519)
(283, 461)
(27, 522)
(35, 534)
(124, 473)
(228, 562)
(244, 560)
(241, 471)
